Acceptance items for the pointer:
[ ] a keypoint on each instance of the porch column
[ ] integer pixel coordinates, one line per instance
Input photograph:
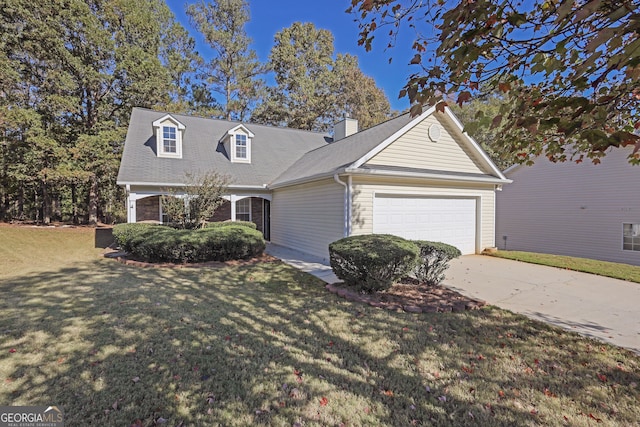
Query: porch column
(233, 199)
(131, 207)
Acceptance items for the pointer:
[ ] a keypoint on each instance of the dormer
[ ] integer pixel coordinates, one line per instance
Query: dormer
(237, 143)
(168, 133)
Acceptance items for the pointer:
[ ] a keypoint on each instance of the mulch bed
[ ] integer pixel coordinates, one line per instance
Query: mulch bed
(411, 296)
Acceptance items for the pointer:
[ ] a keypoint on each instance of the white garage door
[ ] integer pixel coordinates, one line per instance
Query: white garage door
(448, 220)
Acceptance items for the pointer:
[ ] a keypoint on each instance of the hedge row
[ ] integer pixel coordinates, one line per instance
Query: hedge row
(374, 262)
(159, 243)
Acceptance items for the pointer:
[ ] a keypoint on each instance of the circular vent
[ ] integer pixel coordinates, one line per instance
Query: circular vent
(434, 132)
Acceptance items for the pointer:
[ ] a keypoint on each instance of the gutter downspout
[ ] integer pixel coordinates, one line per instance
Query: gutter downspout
(347, 203)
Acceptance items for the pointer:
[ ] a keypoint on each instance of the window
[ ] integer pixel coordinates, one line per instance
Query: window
(241, 146)
(631, 237)
(243, 210)
(169, 139)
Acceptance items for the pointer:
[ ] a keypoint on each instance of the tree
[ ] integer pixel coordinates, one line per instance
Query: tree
(357, 95)
(312, 89)
(477, 116)
(195, 203)
(302, 62)
(572, 68)
(70, 76)
(234, 71)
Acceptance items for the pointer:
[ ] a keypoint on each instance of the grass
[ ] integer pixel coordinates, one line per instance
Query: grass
(602, 268)
(265, 344)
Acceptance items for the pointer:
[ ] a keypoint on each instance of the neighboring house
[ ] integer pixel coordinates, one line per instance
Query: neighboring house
(419, 178)
(583, 210)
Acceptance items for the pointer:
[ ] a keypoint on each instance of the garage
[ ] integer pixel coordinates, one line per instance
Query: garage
(450, 220)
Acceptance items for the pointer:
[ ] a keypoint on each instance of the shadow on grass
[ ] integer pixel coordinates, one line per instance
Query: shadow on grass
(266, 344)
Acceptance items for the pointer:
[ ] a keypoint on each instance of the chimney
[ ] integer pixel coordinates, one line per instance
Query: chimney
(344, 128)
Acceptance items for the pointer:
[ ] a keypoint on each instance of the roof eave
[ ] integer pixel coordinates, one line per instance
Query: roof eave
(428, 175)
(304, 180)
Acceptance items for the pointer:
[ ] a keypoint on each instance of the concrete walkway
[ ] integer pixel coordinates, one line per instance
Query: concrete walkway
(308, 263)
(595, 306)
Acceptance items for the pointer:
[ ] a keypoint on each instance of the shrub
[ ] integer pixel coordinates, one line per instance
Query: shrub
(372, 262)
(165, 244)
(434, 260)
(229, 223)
(124, 233)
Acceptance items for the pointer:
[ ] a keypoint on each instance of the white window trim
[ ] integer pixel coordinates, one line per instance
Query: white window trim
(231, 137)
(237, 213)
(158, 125)
(623, 236)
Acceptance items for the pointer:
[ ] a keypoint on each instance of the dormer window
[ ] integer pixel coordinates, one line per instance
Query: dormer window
(168, 133)
(169, 140)
(237, 143)
(241, 146)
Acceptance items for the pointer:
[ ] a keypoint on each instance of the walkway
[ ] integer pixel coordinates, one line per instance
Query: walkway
(308, 263)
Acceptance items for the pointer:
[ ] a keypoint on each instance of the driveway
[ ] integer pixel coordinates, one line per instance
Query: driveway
(595, 306)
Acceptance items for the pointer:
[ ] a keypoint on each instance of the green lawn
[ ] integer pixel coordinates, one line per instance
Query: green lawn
(267, 345)
(602, 268)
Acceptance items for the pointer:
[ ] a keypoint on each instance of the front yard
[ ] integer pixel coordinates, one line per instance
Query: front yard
(265, 344)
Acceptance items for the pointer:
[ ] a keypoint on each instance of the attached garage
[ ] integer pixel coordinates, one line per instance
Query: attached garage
(451, 220)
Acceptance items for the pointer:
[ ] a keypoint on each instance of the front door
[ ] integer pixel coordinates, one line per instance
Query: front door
(266, 221)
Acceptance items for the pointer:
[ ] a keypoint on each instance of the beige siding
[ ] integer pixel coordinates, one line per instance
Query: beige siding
(571, 209)
(414, 149)
(364, 190)
(308, 217)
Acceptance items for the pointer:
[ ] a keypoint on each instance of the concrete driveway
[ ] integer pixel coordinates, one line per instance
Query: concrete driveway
(595, 306)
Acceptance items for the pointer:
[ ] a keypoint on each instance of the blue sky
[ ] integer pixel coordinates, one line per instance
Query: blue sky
(270, 16)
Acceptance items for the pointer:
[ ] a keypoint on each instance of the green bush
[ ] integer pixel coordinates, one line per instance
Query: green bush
(372, 262)
(434, 260)
(229, 223)
(165, 244)
(124, 233)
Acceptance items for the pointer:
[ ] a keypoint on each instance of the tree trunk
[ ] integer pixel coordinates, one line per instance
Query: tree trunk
(74, 203)
(46, 204)
(93, 200)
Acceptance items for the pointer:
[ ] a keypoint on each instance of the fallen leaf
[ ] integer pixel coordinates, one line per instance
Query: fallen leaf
(210, 399)
(602, 378)
(161, 420)
(501, 393)
(115, 405)
(442, 398)
(548, 393)
(324, 401)
(593, 417)
(135, 379)
(137, 423)
(13, 350)
(388, 393)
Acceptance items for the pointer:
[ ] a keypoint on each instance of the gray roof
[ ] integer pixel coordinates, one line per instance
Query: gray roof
(342, 153)
(278, 155)
(273, 150)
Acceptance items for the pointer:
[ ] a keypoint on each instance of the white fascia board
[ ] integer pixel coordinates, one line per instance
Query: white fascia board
(428, 175)
(166, 184)
(473, 143)
(170, 118)
(151, 184)
(243, 127)
(305, 179)
(384, 144)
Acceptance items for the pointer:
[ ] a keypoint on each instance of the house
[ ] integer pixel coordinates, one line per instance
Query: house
(585, 210)
(416, 177)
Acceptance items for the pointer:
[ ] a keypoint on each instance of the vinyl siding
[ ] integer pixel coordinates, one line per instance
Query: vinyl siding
(308, 217)
(364, 190)
(414, 149)
(571, 209)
